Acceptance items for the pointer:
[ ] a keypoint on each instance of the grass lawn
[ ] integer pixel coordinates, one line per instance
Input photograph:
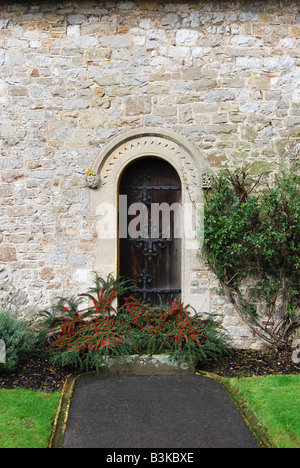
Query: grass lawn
(26, 418)
(275, 402)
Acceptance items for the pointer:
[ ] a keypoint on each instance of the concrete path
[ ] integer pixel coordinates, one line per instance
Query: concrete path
(172, 411)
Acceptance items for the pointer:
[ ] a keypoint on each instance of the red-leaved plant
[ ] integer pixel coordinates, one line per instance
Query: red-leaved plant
(86, 338)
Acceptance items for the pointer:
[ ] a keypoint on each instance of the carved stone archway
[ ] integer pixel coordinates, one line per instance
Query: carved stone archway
(108, 168)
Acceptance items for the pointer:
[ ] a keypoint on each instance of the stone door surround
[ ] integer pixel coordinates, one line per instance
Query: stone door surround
(109, 166)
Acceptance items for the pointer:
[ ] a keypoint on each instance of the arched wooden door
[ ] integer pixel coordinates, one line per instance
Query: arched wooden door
(150, 230)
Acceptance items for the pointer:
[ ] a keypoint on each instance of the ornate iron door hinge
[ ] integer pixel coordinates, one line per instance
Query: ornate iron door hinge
(144, 279)
(149, 244)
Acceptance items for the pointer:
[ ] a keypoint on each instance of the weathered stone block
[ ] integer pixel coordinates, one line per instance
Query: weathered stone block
(181, 86)
(77, 260)
(186, 37)
(76, 104)
(246, 41)
(18, 43)
(7, 253)
(178, 51)
(47, 274)
(247, 63)
(73, 31)
(117, 41)
(192, 73)
(165, 111)
(76, 19)
(156, 38)
(7, 131)
(259, 82)
(4, 57)
(278, 64)
(157, 364)
(205, 83)
(107, 80)
(136, 105)
(57, 256)
(86, 42)
(18, 91)
(220, 95)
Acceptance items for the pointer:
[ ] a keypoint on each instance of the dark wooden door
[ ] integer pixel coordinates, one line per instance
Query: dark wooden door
(150, 252)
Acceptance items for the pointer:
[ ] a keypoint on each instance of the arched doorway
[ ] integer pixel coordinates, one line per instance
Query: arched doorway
(110, 165)
(150, 230)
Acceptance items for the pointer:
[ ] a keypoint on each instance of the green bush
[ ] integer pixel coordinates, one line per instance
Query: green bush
(18, 338)
(251, 242)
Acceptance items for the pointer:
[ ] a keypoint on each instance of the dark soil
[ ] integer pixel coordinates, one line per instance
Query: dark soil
(37, 373)
(245, 363)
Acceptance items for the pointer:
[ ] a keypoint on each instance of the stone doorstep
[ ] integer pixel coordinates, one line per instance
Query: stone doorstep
(146, 364)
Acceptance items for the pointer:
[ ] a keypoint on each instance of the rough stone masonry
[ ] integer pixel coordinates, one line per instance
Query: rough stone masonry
(74, 74)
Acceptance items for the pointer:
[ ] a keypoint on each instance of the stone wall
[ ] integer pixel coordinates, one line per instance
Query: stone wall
(225, 75)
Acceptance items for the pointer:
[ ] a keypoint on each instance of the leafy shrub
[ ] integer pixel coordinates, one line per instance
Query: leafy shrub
(18, 338)
(254, 233)
(172, 329)
(85, 338)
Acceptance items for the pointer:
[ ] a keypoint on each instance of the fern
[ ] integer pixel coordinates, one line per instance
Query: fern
(87, 341)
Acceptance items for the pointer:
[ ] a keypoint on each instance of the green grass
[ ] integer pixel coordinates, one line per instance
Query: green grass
(26, 418)
(275, 402)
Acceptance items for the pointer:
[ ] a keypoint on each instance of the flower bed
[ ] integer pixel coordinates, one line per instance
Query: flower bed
(86, 338)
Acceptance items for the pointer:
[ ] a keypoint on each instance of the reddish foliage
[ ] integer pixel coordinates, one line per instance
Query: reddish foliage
(138, 322)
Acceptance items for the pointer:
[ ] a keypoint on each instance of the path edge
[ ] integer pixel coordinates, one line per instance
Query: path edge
(259, 432)
(62, 413)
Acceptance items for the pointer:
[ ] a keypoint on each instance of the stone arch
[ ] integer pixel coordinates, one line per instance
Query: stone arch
(109, 166)
(164, 143)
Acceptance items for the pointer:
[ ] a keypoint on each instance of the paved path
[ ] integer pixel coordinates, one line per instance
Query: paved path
(188, 411)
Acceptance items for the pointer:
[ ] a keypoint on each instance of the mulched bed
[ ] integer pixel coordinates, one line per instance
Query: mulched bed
(37, 373)
(245, 363)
